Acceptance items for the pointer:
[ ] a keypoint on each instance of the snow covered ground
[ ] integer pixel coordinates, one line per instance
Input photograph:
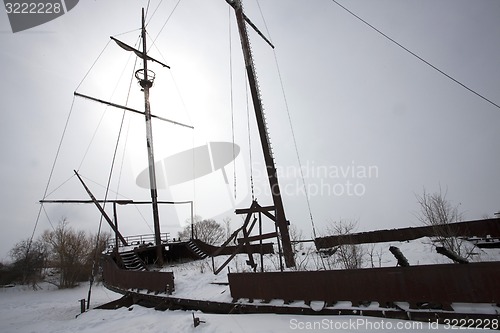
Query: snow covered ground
(54, 311)
(50, 310)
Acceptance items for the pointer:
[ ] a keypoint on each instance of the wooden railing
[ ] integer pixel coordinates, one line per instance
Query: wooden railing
(139, 239)
(123, 280)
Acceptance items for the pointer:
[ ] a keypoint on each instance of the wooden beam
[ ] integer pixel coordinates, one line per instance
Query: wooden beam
(118, 106)
(119, 201)
(103, 212)
(258, 237)
(254, 209)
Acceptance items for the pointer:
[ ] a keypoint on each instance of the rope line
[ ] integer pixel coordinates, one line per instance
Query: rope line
(98, 237)
(166, 21)
(42, 208)
(126, 136)
(418, 57)
(87, 150)
(115, 153)
(154, 12)
(118, 194)
(304, 185)
(231, 97)
(249, 140)
(54, 163)
(294, 139)
(91, 67)
(58, 187)
(48, 217)
(127, 32)
(147, 9)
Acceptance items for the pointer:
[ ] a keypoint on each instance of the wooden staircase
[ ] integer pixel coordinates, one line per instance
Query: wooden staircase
(196, 250)
(132, 262)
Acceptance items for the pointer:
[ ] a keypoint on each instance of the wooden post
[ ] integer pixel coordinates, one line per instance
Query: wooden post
(115, 216)
(146, 83)
(281, 220)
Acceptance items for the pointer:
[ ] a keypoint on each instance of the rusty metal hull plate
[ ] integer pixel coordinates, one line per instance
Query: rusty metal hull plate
(480, 228)
(440, 284)
(157, 282)
(164, 303)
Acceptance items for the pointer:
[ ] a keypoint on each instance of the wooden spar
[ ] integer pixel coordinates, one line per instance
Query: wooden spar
(146, 83)
(118, 106)
(137, 52)
(281, 220)
(106, 217)
(119, 202)
(115, 216)
(250, 23)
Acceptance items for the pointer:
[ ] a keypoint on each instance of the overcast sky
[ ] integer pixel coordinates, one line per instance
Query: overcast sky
(373, 124)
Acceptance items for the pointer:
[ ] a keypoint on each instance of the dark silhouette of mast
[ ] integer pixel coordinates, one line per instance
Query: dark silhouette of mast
(281, 220)
(146, 83)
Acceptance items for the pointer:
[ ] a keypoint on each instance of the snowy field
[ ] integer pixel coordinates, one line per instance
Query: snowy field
(54, 311)
(51, 310)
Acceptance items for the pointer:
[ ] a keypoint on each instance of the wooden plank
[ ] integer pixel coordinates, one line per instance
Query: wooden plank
(254, 209)
(258, 237)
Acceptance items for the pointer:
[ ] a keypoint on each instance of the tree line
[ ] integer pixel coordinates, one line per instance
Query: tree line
(62, 256)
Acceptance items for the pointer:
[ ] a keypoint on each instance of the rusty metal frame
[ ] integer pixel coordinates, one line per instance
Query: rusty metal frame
(433, 284)
(163, 303)
(468, 228)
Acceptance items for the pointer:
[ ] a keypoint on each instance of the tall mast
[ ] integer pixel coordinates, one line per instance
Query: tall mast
(281, 220)
(147, 83)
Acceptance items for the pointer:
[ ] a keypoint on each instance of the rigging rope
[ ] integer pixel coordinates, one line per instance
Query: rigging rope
(122, 161)
(127, 32)
(417, 56)
(291, 127)
(42, 208)
(154, 12)
(105, 110)
(232, 98)
(48, 217)
(295, 146)
(117, 194)
(91, 67)
(147, 9)
(249, 139)
(59, 150)
(115, 153)
(95, 260)
(50, 176)
(166, 21)
(61, 185)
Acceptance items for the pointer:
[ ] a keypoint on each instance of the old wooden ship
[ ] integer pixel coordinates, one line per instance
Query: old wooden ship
(133, 266)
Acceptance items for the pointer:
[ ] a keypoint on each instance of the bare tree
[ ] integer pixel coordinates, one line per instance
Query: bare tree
(98, 244)
(69, 253)
(438, 212)
(347, 255)
(302, 255)
(208, 231)
(296, 236)
(374, 252)
(227, 224)
(29, 258)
